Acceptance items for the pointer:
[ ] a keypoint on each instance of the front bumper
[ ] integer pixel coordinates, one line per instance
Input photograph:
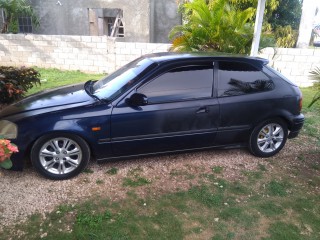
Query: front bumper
(296, 126)
(19, 159)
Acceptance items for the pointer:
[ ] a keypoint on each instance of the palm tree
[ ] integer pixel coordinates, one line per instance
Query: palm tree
(315, 75)
(216, 26)
(13, 9)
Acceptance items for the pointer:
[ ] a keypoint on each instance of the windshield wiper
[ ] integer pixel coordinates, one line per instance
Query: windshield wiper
(88, 87)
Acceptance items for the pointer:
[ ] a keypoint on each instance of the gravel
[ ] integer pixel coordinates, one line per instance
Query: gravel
(25, 193)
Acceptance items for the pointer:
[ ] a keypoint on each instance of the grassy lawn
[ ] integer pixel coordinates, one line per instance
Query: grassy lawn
(312, 123)
(273, 202)
(270, 203)
(51, 78)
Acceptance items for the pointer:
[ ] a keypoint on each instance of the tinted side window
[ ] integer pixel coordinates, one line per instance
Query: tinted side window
(236, 78)
(181, 83)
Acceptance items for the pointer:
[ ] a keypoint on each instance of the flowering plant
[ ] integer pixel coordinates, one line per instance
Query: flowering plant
(6, 150)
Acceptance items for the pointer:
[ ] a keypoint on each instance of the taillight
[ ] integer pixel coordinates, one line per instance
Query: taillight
(300, 103)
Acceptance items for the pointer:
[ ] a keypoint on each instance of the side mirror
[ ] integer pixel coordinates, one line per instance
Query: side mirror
(137, 99)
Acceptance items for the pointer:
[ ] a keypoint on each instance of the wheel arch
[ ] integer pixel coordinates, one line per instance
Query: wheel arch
(285, 116)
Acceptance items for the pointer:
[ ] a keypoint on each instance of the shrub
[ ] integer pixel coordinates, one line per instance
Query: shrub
(286, 37)
(315, 75)
(14, 82)
(215, 25)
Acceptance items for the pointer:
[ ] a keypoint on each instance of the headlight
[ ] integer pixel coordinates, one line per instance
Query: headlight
(8, 130)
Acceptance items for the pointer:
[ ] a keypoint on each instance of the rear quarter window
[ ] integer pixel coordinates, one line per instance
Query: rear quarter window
(280, 75)
(237, 78)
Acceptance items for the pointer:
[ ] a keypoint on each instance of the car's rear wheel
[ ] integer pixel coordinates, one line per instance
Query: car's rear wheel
(60, 156)
(268, 138)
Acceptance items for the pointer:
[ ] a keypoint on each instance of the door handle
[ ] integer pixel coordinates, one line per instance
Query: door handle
(202, 110)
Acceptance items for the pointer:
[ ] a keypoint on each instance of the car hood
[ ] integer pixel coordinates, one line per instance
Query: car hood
(56, 99)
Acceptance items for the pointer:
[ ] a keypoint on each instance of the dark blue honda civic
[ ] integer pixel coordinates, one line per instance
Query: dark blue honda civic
(159, 103)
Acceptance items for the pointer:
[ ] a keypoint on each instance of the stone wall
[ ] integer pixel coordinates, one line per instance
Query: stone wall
(85, 53)
(103, 54)
(294, 63)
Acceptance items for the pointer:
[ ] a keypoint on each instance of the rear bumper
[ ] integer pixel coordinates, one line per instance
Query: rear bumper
(296, 125)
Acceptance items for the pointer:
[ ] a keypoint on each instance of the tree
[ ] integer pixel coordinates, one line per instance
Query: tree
(271, 5)
(287, 13)
(13, 9)
(281, 21)
(214, 26)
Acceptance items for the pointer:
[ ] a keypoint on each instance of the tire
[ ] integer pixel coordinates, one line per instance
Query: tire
(268, 138)
(60, 156)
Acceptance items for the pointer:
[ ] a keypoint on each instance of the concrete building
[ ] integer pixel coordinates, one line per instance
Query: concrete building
(309, 19)
(130, 20)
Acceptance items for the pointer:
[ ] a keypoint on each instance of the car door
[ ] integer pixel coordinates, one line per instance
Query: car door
(244, 98)
(181, 113)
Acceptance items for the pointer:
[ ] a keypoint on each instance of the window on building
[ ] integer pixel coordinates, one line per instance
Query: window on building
(25, 24)
(106, 21)
(114, 26)
(110, 22)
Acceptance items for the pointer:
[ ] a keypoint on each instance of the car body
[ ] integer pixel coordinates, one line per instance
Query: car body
(316, 32)
(159, 103)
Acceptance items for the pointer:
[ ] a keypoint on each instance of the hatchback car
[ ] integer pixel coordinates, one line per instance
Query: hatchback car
(159, 103)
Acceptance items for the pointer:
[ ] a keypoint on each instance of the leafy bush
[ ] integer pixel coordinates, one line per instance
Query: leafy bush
(213, 26)
(267, 40)
(315, 75)
(14, 82)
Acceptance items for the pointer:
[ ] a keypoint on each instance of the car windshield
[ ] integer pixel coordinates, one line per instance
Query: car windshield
(119, 81)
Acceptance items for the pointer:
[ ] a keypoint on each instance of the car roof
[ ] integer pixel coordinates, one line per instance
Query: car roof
(173, 56)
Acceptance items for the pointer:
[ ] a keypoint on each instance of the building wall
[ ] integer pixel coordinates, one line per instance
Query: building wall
(144, 20)
(71, 17)
(104, 54)
(163, 18)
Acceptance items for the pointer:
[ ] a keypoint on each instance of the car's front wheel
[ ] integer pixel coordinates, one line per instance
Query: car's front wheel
(60, 156)
(268, 138)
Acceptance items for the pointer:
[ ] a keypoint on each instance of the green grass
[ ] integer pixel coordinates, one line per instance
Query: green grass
(51, 78)
(182, 173)
(99, 181)
(135, 181)
(217, 169)
(312, 121)
(278, 188)
(275, 209)
(112, 171)
(270, 209)
(88, 171)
